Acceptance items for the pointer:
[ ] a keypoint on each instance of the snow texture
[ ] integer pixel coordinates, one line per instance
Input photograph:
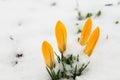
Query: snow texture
(25, 24)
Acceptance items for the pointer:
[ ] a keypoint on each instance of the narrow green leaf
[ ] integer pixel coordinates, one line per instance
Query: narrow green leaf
(58, 73)
(75, 72)
(98, 13)
(58, 58)
(50, 73)
(85, 66)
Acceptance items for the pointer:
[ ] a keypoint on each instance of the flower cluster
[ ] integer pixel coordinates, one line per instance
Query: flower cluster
(69, 66)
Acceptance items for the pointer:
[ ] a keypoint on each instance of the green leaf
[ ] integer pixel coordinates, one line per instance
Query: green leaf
(50, 73)
(75, 72)
(64, 67)
(83, 68)
(54, 75)
(98, 13)
(58, 58)
(58, 72)
(77, 58)
(79, 31)
(89, 15)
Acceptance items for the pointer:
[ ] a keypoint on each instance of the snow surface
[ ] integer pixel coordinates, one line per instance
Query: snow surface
(25, 24)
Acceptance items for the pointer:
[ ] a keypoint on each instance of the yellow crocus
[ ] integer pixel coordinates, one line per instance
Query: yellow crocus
(48, 54)
(92, 42)
(85, 32)
(61, 36)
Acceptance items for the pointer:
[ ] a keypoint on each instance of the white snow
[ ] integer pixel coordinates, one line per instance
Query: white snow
(30, 22)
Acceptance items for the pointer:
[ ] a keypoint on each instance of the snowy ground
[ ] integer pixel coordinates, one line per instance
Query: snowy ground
(25, 24)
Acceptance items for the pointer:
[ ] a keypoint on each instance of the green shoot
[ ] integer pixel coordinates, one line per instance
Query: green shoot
(89, 15)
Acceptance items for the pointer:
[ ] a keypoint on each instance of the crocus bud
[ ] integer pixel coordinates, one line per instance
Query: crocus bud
(48, 54)
(61, 36)
(85, 32)
(92, 42)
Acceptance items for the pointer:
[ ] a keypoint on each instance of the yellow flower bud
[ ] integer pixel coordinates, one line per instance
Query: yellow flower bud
(61, 36)
(48, 54)
(92, 41)
(86, 32)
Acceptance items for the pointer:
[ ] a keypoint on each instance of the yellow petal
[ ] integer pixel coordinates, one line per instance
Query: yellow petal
(48, 54)
(92, 41)
(61, 36)
(86, 32)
